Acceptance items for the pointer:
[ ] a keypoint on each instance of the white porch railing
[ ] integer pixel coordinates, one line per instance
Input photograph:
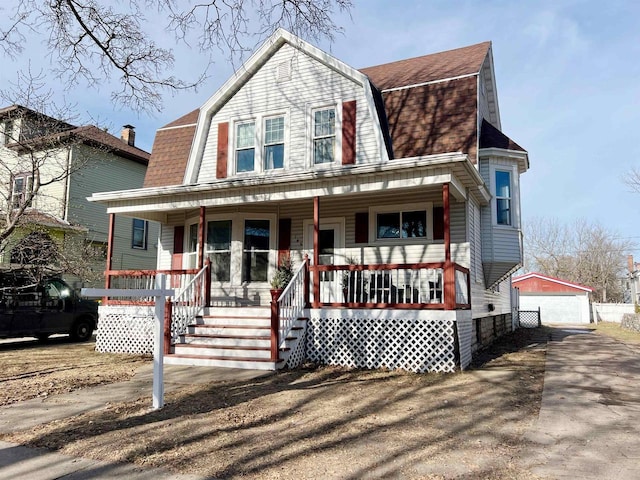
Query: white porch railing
(189, 302)
(292, 302)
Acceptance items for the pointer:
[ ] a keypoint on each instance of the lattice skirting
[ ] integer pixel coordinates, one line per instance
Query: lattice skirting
(125, 329)
(416, 345)
(297, 356)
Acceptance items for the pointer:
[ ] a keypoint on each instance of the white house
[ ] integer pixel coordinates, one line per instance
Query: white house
(50, 167)
(391, 189)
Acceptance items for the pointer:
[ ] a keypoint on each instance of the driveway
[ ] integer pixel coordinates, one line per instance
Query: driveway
(589, 421)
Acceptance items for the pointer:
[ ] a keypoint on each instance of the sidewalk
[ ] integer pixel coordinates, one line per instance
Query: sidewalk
(589, 421)
(18, 462)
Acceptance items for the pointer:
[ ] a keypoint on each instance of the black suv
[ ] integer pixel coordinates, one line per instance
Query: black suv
(40, 309)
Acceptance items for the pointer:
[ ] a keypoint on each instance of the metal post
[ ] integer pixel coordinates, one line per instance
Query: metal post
(158, 347)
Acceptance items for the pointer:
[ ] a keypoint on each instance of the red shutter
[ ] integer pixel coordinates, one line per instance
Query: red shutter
(349, 133)
(284, 239)
(223, 145)
(438, 223)
(362, 227)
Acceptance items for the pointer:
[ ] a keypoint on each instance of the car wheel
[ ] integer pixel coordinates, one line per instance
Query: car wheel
(82, 330)
(42, 337)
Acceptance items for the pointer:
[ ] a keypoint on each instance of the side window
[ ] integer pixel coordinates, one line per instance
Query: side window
(139, 234)
(245, 147)
(274, 143)
(324, 136)
(22, 189)
(503, 197)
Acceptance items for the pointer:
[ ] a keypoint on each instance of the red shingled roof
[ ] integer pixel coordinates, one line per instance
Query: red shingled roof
(170, 152)
(428, 68)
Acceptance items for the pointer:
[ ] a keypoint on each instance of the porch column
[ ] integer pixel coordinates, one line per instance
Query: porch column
(201, 238)
(110, 236)
(316, 251)
(449, 271)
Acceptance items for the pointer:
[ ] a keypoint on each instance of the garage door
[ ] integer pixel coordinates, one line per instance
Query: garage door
(555, 308)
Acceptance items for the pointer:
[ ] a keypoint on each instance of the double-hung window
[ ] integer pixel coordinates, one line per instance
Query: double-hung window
(503, 197)
(139, 234)
(274, 143)
(324, 135)
(402, 224)
(22, 189)
(245, 147)
(7, 132)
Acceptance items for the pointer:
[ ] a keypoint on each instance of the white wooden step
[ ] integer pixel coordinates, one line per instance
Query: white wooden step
(198, 360)
(264, 312)
(233, 320)
(222, 340)
(234, 330)
(223, 351)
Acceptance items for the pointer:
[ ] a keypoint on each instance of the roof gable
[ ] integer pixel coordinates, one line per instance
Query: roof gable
(539, 283)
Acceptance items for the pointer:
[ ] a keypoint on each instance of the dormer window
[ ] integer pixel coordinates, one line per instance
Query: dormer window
(245, 147)
(324, 136)
(22, 189)
(274, 143)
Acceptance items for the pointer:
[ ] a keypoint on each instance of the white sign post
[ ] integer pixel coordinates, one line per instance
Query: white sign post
(160, 293)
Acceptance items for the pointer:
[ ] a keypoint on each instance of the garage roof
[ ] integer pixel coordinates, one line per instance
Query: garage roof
(538, 283)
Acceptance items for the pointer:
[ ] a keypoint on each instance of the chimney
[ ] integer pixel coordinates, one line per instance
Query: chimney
(630, 264)
(128, 135)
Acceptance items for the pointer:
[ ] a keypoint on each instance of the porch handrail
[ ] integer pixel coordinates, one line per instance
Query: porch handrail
(190, 301)
(288, 307)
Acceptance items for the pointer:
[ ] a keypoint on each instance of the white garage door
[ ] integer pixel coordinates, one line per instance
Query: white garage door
(555, 308)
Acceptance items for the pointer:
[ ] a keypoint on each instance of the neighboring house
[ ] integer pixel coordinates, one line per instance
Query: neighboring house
(70, 163)
(632, 282)
(395, 180)
(558, 301)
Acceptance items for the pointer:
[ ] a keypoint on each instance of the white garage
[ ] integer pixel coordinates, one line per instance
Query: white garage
(559, 301)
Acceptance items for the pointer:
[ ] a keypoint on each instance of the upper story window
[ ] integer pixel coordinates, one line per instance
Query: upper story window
(7, 132)
(22, 189)
(245, 147)
(274, 143)
(324, 135)
(503, 197)
(139, 234)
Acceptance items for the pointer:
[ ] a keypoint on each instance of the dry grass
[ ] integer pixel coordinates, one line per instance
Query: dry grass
(31, 370)
(327, 423)
(616, 331)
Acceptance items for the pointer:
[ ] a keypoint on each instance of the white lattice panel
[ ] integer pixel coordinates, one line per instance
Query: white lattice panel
(416, 345)
(125, 329)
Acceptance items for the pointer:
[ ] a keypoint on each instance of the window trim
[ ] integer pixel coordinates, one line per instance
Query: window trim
(514, 199)
(265, 144)
(28, 178)
(145, 233)
(427, 207)
(337, 161)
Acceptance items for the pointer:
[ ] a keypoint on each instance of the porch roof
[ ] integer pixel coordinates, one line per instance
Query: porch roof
(156, 202)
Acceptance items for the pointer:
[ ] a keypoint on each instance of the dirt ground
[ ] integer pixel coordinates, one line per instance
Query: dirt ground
(31, 370)
(316, 422)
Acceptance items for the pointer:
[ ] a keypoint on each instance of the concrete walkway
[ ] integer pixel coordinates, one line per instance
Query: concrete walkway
(18, 462)
(589, 421)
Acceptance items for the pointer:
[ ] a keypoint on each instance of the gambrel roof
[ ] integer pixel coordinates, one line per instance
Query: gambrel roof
(423, 106)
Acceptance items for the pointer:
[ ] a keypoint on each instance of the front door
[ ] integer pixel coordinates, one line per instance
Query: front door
(331, 245)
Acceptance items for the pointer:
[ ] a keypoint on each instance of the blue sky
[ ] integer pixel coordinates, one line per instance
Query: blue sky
(568, 79)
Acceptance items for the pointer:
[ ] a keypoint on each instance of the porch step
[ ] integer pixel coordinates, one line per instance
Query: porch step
(233, 337)
(247, 363)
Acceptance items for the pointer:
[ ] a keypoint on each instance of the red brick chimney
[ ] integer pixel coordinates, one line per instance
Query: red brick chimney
(128, 135)
(630, 264)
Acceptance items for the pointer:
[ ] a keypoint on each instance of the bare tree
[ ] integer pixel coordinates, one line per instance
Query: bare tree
(633, 180)
(581, 252)
(92, 42)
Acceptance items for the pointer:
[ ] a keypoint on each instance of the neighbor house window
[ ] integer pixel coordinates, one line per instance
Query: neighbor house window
(403, 224)
(219, 249)
(22, 189)
(7, 132)
(324, 136)
(274, 143)
(139, 234)
(503, 197)
(245, 147)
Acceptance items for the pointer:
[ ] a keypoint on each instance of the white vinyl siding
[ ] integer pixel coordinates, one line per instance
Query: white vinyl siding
(312, 85)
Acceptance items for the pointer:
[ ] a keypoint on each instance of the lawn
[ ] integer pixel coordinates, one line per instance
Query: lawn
(323, 422)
